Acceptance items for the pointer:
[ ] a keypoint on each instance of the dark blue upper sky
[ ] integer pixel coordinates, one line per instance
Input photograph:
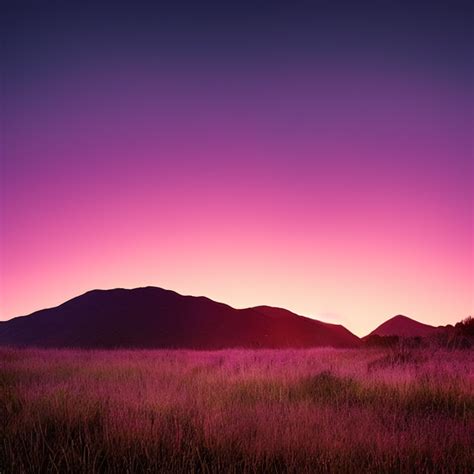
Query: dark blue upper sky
(424, 32)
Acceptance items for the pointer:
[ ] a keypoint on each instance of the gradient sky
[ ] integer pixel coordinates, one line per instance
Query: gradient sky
(310, 155)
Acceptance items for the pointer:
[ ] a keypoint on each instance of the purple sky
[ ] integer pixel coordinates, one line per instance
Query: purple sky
(313, 157)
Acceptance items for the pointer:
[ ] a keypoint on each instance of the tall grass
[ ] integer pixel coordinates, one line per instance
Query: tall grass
(236, 411)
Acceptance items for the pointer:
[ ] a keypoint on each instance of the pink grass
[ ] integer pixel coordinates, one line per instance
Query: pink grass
(235, 411)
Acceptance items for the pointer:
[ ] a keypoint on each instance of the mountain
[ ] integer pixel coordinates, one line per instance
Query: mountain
(403, 326)
(153, 317)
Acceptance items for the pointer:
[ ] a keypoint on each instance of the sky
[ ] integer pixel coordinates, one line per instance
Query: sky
(311, 155)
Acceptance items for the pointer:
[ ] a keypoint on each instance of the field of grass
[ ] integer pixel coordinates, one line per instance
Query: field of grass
(321, 410)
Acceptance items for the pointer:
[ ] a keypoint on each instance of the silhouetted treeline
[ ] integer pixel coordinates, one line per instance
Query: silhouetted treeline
(466, 327)
(459, 336)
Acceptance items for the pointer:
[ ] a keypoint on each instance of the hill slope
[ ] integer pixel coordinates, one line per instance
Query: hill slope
(152, 317)
(403, 326)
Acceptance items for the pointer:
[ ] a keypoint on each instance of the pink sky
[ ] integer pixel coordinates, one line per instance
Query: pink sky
(346, 202)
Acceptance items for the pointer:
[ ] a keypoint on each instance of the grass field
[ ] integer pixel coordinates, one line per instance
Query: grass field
(321, 410)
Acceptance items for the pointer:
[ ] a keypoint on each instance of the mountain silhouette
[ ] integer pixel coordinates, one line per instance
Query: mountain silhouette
(403, 326)
(156, 318)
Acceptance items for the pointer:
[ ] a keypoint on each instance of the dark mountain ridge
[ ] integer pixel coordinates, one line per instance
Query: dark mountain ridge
(152, 317)
(403, 326)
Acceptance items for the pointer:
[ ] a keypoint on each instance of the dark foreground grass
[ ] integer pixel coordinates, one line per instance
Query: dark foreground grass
(235, 411)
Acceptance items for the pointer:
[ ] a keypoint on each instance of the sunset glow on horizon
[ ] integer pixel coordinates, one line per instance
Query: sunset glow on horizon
(316, 169)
